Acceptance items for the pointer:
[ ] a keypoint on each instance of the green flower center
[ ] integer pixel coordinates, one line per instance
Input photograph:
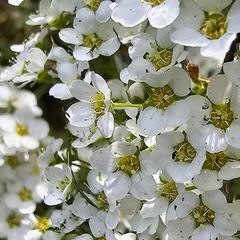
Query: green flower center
(102, 202)
(184, 152)
(202, 214)
(93, 4)
(129, 164)
(13, 220)
(161, 97)
(215, 161)
(154, 2)
(21, 130)
(35, 170)
(92, 41)
(161, 58)
(168, 190)
(98, 104)
(12, 161)
(25, 194)
(62, 185)
(222, 116)
(214, 26)
(43, 224)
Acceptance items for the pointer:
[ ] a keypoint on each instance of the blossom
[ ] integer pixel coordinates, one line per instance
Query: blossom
(150, 55)
(94, 103)
(22, 130)
(129, 177)
(212, 31)
(201, 218)
(59, 181)
(91, 38)
(181, 154)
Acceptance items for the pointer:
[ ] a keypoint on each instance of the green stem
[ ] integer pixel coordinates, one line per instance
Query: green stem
(126, 105)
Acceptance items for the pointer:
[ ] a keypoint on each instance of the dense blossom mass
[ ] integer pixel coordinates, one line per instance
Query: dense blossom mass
(151, 148)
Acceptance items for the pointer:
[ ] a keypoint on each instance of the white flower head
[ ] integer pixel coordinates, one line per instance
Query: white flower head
(94, 102)
(211, 30)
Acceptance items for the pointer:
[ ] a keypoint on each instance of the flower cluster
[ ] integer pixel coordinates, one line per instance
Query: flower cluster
(151, 148)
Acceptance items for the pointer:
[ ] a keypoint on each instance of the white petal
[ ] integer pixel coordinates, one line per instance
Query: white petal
(208, 180)
(218, 47)
(189, 37)
(190, 16)
(109, 47)
(117, 186)
(205, 231)
(151, 121)
(180, 81)
(60, 91)
(105, 125)
(182, 228)
(224, 224)
(233, 16)
(103, 12)
(67, 72)
(112, 219)
(162, 156)
(215, 200)
(35, 60)
(103, 161)
(214, 138)
(143, 187)
(177, 113)
(153, 208)
(139, 224)
(214, 6)
(82, 90)
(69, 35)
(219, 89)
(232, 134)
(177, 171)
(230, 170)
(97, 227)
(85, 53)
(81, 114)
(195, 166)
(164, 14)
(200, 110)
(130, 13)
(184, 203)
(232, 70)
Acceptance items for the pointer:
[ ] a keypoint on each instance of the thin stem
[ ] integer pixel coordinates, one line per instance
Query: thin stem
(126, 105)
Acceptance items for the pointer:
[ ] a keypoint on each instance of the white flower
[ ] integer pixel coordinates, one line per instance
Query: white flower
(182, 155)
(217, 167)
(201, 219)
(102, 216)
(13, 225)
(11, 98)
(22, 195)
(212, 31)
(123, 166)
(91, 38)
(59, 179)
(224, 122)
(150, 55)
(65, 219)
(94, 102)
(23, 130)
